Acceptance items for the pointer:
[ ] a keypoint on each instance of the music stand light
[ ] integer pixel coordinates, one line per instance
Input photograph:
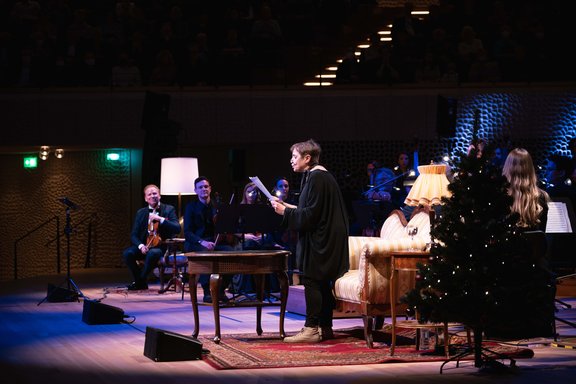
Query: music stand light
(177, 175)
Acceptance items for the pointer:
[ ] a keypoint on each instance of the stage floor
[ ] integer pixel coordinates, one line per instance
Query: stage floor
(49, 343)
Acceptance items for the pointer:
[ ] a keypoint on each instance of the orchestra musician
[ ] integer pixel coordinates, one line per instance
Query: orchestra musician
(152, 224)
(200, 234)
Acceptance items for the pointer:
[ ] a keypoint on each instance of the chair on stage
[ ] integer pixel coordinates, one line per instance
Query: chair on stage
(175, 264)
(365, 288)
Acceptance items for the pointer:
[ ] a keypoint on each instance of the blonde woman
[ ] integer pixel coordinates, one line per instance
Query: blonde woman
(529, 201)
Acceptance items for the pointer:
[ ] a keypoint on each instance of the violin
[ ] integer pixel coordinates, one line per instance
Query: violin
(154, 238)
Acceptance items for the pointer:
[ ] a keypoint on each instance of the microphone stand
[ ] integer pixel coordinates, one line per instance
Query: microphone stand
(72, 292)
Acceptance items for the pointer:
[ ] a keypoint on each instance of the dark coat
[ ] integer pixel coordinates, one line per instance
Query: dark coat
(198, 223)
(322, 223)
(168, 229)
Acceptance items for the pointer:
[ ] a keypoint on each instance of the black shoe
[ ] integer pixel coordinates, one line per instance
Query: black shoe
(135, 286)
(207, 299)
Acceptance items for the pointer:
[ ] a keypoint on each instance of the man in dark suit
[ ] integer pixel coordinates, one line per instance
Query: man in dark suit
(200, 234)
(152, 224)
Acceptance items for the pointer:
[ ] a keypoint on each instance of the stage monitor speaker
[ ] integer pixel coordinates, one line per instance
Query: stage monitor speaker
(60, 295)
(97, 313)
(163, 345)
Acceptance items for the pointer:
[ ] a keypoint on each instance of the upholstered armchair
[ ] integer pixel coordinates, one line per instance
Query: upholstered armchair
(365, 288)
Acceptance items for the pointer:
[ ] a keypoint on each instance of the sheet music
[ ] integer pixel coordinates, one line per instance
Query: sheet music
(261, 187)
(558, 220)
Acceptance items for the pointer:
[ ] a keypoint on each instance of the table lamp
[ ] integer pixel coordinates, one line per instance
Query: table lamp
(429, 188)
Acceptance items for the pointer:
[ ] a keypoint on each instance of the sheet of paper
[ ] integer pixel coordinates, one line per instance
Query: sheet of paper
(261, 187)
(558, 220)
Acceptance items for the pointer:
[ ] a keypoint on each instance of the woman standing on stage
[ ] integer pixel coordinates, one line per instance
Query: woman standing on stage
(322, 250)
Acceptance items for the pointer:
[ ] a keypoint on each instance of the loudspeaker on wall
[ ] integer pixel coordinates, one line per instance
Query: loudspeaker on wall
(95, 312)
(163, 345)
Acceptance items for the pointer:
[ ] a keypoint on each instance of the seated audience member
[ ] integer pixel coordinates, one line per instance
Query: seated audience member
(380, 179)
(152, 224)
(406, 173)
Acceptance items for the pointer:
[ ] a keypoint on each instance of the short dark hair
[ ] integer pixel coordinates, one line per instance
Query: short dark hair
(308, 147)
(199, 179)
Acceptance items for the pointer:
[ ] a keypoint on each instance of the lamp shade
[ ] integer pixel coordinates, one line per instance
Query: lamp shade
(177, 175)
(430, 186)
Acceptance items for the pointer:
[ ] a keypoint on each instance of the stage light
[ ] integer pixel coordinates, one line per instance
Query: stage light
(59, 153)
(44, 152)
(113, 156)
(30, 162)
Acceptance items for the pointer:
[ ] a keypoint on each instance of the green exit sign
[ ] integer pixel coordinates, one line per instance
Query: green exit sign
(31, 162)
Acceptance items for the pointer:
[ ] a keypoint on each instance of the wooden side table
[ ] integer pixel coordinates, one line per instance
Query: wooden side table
(405, 261)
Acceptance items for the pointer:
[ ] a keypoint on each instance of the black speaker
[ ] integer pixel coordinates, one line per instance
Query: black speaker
(60, 295)
(446, 110)
(163, 345)
(97, 313)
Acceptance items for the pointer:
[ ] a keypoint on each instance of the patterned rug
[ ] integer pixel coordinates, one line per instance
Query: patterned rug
(348, 348)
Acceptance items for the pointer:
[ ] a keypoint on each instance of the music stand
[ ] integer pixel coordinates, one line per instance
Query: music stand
(247, 218)
(71, 292)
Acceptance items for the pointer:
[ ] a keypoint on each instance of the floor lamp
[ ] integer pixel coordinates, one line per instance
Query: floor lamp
(177, 177)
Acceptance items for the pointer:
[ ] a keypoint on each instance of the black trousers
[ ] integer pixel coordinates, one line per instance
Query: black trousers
(319, 302)
(132, 254)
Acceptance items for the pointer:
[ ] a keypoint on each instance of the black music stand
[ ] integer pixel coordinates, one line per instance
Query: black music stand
(71, 292)
(247, 218)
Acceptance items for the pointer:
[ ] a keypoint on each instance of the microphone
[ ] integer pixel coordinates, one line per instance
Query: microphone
(69, 203)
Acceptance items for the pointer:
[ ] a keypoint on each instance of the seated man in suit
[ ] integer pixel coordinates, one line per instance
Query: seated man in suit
(200, 234)
(152, 224)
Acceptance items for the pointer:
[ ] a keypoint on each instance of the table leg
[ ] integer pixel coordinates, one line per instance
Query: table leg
(215, 279)
(283, 281)
(194, 301)
(259, 282)
(393, 307)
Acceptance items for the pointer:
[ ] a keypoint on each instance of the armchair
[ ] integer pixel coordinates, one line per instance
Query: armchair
(365, 288)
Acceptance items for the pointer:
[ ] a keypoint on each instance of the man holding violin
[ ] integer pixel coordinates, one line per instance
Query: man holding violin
(151, 224)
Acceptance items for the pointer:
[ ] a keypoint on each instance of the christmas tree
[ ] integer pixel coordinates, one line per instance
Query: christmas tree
(478, 265)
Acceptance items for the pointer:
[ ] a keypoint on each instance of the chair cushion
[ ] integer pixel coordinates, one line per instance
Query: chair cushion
(348, 287)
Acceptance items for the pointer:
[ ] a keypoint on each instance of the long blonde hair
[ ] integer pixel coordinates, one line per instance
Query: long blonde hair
(520, 172)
